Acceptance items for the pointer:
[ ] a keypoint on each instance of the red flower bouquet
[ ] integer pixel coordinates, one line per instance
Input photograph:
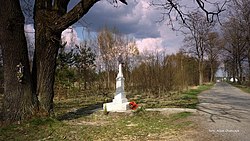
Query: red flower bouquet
(133, 105)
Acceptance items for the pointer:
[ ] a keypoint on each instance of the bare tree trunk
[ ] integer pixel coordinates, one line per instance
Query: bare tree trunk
(200, 72)
(108, 82)
(212, 72)
(234, 70)
(19, 102)
(240, 73)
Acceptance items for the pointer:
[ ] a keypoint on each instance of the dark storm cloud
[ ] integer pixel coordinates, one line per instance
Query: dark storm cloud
(133, 18)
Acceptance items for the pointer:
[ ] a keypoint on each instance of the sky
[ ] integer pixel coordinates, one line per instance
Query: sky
(137, 19)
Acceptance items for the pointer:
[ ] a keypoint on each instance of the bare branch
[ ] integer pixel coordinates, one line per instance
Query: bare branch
(168, 6)
(210, 13)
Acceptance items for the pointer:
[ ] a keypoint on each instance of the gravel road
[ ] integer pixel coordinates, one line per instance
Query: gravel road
(225, 113)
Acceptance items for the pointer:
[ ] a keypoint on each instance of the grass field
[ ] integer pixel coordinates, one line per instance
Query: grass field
(115, 126)
(242, 87)
(78, 119)
(187, 99)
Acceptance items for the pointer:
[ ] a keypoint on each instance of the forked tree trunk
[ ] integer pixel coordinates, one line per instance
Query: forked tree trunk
(20, 99)
(19, 102)
(51, 18)
(47, 42)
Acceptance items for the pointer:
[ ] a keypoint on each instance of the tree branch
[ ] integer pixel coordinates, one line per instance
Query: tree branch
(74, 15)
(208, 13)
(177, 10)
(169, 5)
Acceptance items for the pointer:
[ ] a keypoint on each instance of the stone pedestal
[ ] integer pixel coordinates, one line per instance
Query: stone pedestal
(120, 102)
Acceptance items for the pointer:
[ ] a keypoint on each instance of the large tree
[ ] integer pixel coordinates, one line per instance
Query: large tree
(50, 19)
(196, 37)
(18, 98)
(235, 48)
(20, 89)
(241, 10)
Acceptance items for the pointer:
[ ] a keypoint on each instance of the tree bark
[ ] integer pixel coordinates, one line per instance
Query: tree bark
(47, 42)
(19, 101)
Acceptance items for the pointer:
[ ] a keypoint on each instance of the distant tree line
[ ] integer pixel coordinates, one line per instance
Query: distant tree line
(224, 43)
(236, 34)
(151, 73)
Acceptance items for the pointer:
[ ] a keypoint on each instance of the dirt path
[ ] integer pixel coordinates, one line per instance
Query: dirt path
(224, 113)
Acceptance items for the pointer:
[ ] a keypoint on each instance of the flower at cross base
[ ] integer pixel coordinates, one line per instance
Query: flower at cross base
(133, 105)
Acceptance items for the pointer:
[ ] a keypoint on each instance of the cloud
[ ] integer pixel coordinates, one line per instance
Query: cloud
(30, 37)
(70, 36)
(29, 32)
(136, 19)
(172, 40)
(169, 45)
(150, 44)
(29, 28)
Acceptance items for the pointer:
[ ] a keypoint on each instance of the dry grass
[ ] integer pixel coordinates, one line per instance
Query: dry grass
(96, 126)
(78, 118)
